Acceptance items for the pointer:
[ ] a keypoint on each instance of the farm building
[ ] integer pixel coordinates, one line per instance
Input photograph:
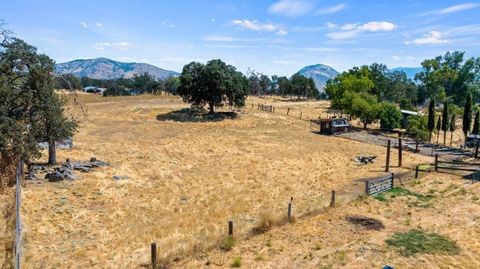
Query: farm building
(407, 114)
(93, 89)
(334, 125)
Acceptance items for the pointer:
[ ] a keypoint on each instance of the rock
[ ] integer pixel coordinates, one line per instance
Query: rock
(365, 159)
(98, 163)
(54, 177)
(120, 177)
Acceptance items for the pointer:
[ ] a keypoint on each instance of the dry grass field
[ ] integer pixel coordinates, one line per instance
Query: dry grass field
(187, 179)
(330, 241)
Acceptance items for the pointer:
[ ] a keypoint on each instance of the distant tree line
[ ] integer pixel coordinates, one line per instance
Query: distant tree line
(298, 85)
(373, 93)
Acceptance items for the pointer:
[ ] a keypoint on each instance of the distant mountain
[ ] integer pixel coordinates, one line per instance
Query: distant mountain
(103, 68)
(320, 73)
(410, 71)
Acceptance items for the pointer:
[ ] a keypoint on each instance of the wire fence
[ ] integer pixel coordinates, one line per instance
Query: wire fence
(18, 220)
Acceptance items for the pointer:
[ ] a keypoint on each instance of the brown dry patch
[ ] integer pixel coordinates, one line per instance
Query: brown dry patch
(186, 180)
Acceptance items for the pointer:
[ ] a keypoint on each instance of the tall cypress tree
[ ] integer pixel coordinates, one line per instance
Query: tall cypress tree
(452, 128)
(445, 121)
(467, 115)
(439, 125)
(476, 124)
(431, 117)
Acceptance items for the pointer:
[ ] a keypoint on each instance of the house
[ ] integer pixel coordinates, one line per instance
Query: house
(334, 125)
(93, 89)
(407, 114)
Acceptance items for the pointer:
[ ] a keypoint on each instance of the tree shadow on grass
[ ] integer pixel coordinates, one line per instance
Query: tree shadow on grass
(195, 115)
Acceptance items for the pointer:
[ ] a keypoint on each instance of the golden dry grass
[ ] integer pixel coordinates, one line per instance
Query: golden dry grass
(329, 241)
(186, 180)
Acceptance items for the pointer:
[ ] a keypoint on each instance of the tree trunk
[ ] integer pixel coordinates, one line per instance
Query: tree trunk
(444, 138)
(365, 125)
(52, 152)
(451, 138)
(438, 134)
(430, 137)
(211, 108)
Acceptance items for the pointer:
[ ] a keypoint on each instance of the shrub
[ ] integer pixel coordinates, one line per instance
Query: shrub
(390, 116)
(228, 243)
(265, 222)
(418, 241)
(237, 262)
(417, 126)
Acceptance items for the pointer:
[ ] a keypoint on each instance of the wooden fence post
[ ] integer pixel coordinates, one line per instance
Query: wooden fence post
(416, 146)
(393, 180)
(301, 114)
(154, 255)
(289, 212)
(476, 150)
(416, 172)
(400, 152)
(367, 190)
(332, 199)
(436, 162)
(387, 165)
(288, 111)
(230, 228)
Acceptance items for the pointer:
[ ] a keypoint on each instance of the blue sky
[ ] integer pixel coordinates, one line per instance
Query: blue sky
(271, 37)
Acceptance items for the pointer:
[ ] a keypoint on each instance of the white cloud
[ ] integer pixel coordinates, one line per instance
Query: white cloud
(84, 24)
(260, 27)
(99, 24)
(281, 32)
(410, 58)
(351, 30)
(332, 9)
(292, 8)
(331, 25)
(432, 38)
(349, 26)
(116, 45)
(457, 8)
(396, 58)
(375, 26)
(219, 38)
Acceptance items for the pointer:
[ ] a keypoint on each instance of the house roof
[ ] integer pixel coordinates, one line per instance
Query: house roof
(409, 112)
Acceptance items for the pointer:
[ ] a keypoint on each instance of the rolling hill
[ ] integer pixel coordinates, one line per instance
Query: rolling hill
(319, 73)
(103, 68)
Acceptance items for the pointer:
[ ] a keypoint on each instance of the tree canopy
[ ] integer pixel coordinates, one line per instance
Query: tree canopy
(214, 84)
(30, 111)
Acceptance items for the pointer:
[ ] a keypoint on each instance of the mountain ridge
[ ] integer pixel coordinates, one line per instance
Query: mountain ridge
(105, 68)
(320, 73)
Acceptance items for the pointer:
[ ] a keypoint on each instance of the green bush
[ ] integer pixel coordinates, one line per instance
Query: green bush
(390, 116)
(418, 241)
(417, 127)
(237, 262)
(228, 243)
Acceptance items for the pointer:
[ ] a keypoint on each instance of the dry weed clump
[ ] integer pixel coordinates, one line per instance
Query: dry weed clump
(265, 222)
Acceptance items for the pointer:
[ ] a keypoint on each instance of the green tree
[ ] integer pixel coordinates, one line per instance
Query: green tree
(363, 106)
(31, 110)
(284, 86)
(215, 84)
(116, 90)
(390, 116)
(418, 126)
(445, 118)
(171, 85)
(476, 124)
(431, 117)
(467, 115)
(439, 125)
(68, 82)
(452, 128)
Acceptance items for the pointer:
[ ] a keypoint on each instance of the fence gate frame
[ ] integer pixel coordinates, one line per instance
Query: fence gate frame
(379, 184)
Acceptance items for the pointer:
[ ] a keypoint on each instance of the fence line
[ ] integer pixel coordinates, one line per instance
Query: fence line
(18, 220)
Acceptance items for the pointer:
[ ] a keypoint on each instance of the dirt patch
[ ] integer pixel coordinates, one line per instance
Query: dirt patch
(365, 222)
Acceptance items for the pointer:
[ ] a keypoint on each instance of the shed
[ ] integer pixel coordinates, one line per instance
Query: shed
(407, 114)
(93, 89)
(334, 125)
